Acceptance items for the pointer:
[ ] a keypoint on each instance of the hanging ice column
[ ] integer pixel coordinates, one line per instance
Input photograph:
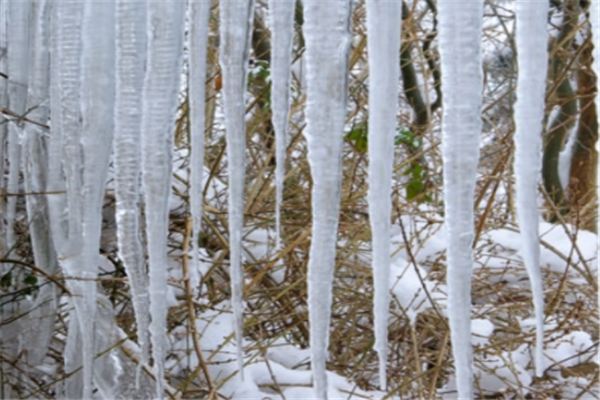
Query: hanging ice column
(384, 21)
(35, 166)
(328, 37)
(281, 18)
(236, 30)
(199, 12)
(166, 24)
(18, 68)
(460, 30)
(532, 18)
(130, 64)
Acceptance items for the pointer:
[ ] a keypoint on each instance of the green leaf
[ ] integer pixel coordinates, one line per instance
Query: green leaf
(414, 189)
(6, 280)
(30, 280)
(359, 136)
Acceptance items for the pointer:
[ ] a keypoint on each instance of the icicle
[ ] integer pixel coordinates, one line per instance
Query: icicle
(39, 333)
(460, 31)
(532, 17)
(236, 29)
(3, 120)
(130, 66)
(327, 34)
(199, 12)
(56, 187)
(18, 75)
(281, 19)
(383, 28)
(166, 24)
(97, 107)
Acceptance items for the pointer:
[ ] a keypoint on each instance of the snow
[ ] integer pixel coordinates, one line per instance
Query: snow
(460, 30)
(281, 19)
(236, 29)
(127, 158)
(327, 35)
(166, 22)
(384, 27)
(529, 113)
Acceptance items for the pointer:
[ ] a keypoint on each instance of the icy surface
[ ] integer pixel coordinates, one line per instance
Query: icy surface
(383, 28)
(127, 156)
(199, 12)
(18, 73)
(97, 107)
(166, 23)
(281, 19)
(236, 31)
(35, 163)
(529, 112)
(328, 37)
(460, 30)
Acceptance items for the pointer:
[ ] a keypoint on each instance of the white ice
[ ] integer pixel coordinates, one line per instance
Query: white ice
(281, 20)
(236, 30)
(130, 62)
(166, 23)
(532, 53)
(460, 30)
(328, 37)
(383, 28)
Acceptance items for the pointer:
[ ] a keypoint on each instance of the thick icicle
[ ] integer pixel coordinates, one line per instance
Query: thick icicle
(383, 28)
(18, 76)
(281, 19)
(35, 164)
(460, 30)
(3, 119)
(66, 142)
(97, 107)
(199, 11)
(236, 29)
(327, 34)
(166, 24)
(532, 17)
(130, 67)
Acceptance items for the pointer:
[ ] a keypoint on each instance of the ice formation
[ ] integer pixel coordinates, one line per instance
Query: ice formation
(236, 29)
(327, 34)
(281, 18)
(166, 24)
(384, 27)
(529, 112)
(127, 157)
(460, 30)
(199, 12)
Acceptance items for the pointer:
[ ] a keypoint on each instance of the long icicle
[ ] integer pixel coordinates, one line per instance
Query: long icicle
(166, 24)
(130, 63)
(236, 29)
(18, 75)
(35, 166)
(328, 37)
(383, 29)
(460, 30)
(281, 18)
(532, 18)
(97, 110)
(199, 12)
